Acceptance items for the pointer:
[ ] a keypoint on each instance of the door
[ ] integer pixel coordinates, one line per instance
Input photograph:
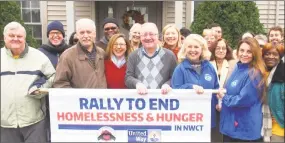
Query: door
(151, 11)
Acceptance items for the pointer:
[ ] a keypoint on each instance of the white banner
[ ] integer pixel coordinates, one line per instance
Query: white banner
(121, 115)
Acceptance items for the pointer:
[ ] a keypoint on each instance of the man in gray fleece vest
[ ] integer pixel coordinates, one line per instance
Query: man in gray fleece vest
(151, 66)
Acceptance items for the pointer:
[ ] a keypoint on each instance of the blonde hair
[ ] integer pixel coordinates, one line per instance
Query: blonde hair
(111, 43)
(178, 44)
(206, 54)
(135, 26)
(211, 32)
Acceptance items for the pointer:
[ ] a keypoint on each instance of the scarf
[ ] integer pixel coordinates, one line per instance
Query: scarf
(118, 62)
(55, 49)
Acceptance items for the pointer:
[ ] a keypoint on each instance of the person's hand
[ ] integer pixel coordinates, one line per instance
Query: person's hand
(198, 89)
(141, 88)
(218, 107)
(165, 89)
(36, 92)
(221, 93)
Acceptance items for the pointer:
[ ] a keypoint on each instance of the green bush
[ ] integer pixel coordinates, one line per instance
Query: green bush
(11, 11)
(235, 18)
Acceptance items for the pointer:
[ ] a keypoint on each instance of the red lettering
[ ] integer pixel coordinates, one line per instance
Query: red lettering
(60, 116)
(199, 117)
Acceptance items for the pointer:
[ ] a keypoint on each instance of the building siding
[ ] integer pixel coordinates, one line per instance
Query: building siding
(271, 13)
(83, 9)
(56, 10)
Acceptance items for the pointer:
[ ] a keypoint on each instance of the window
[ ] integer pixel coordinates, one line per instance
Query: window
(30, 12)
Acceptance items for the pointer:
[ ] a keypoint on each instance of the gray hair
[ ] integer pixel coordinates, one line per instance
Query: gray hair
(12, 26)
(261, 37)
(85, 21)
(149, 24)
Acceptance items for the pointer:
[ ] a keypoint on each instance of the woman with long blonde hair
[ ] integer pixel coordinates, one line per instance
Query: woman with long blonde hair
(171, 38)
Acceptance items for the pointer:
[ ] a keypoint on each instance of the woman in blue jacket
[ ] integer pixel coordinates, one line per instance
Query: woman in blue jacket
(241, 115)
(194, 72)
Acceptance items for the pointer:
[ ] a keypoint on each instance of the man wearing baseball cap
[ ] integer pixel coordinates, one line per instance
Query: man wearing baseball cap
(110, 27)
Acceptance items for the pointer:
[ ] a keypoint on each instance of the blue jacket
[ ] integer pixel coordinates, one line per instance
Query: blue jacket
(184, 77)
(53, 52)
(241, 115)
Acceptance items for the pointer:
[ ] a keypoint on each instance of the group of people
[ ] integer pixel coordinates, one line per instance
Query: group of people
(251, 109)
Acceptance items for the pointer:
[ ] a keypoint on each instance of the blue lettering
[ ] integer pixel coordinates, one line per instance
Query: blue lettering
(130, 100)
(174, 104)
(188, 127)
(152, 104)
(140, 104)
(83, 103)
(94, 104)
(163, 104)
(118, 103)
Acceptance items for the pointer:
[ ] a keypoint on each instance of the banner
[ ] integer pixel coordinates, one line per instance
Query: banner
(122, 115)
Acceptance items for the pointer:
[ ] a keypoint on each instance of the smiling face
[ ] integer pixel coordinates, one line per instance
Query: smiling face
(55, 37)
(221, 50)
(119, 48)
(149, 36)
(86, 35)
(171, 36)
(271, 58)
(193, 50)
(244, 53)
(15, 39)
(110, 29)
(275, 36)
(135, 33)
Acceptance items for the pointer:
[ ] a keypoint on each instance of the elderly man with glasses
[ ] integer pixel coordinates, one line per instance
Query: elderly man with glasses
(151, 66)
(110, 27)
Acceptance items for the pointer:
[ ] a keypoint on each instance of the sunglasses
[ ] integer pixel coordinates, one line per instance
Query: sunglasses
(110, 28)
(75, 40)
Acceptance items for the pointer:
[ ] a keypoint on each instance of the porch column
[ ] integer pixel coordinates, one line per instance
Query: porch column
(69, 19)
(178, 13)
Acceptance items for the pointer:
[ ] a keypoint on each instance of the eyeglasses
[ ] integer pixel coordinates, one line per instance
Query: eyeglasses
(54, 33)
(75, 40)
(119, 44)
(221, 48)
(148, 34)
(110, 28)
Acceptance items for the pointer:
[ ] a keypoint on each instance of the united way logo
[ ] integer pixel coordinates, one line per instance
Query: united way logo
(154, 136)
(137, 136)
(208, 77)
(144, 136)
(234, 83)
(106, 134)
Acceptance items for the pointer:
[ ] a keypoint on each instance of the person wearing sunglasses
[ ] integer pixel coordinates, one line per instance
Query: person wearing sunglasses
(73, 39)
(110, 27)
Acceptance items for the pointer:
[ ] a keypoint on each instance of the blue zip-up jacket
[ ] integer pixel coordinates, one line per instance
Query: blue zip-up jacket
(184, 77)
(241, 114)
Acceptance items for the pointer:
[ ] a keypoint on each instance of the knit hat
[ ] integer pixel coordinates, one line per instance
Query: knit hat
(55, 25)
(110, 20)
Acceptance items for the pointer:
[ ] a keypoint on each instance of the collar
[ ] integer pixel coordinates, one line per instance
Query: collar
(188, 65)
(155, 53)
(82, 51)
(26, 50)
(242, 65)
